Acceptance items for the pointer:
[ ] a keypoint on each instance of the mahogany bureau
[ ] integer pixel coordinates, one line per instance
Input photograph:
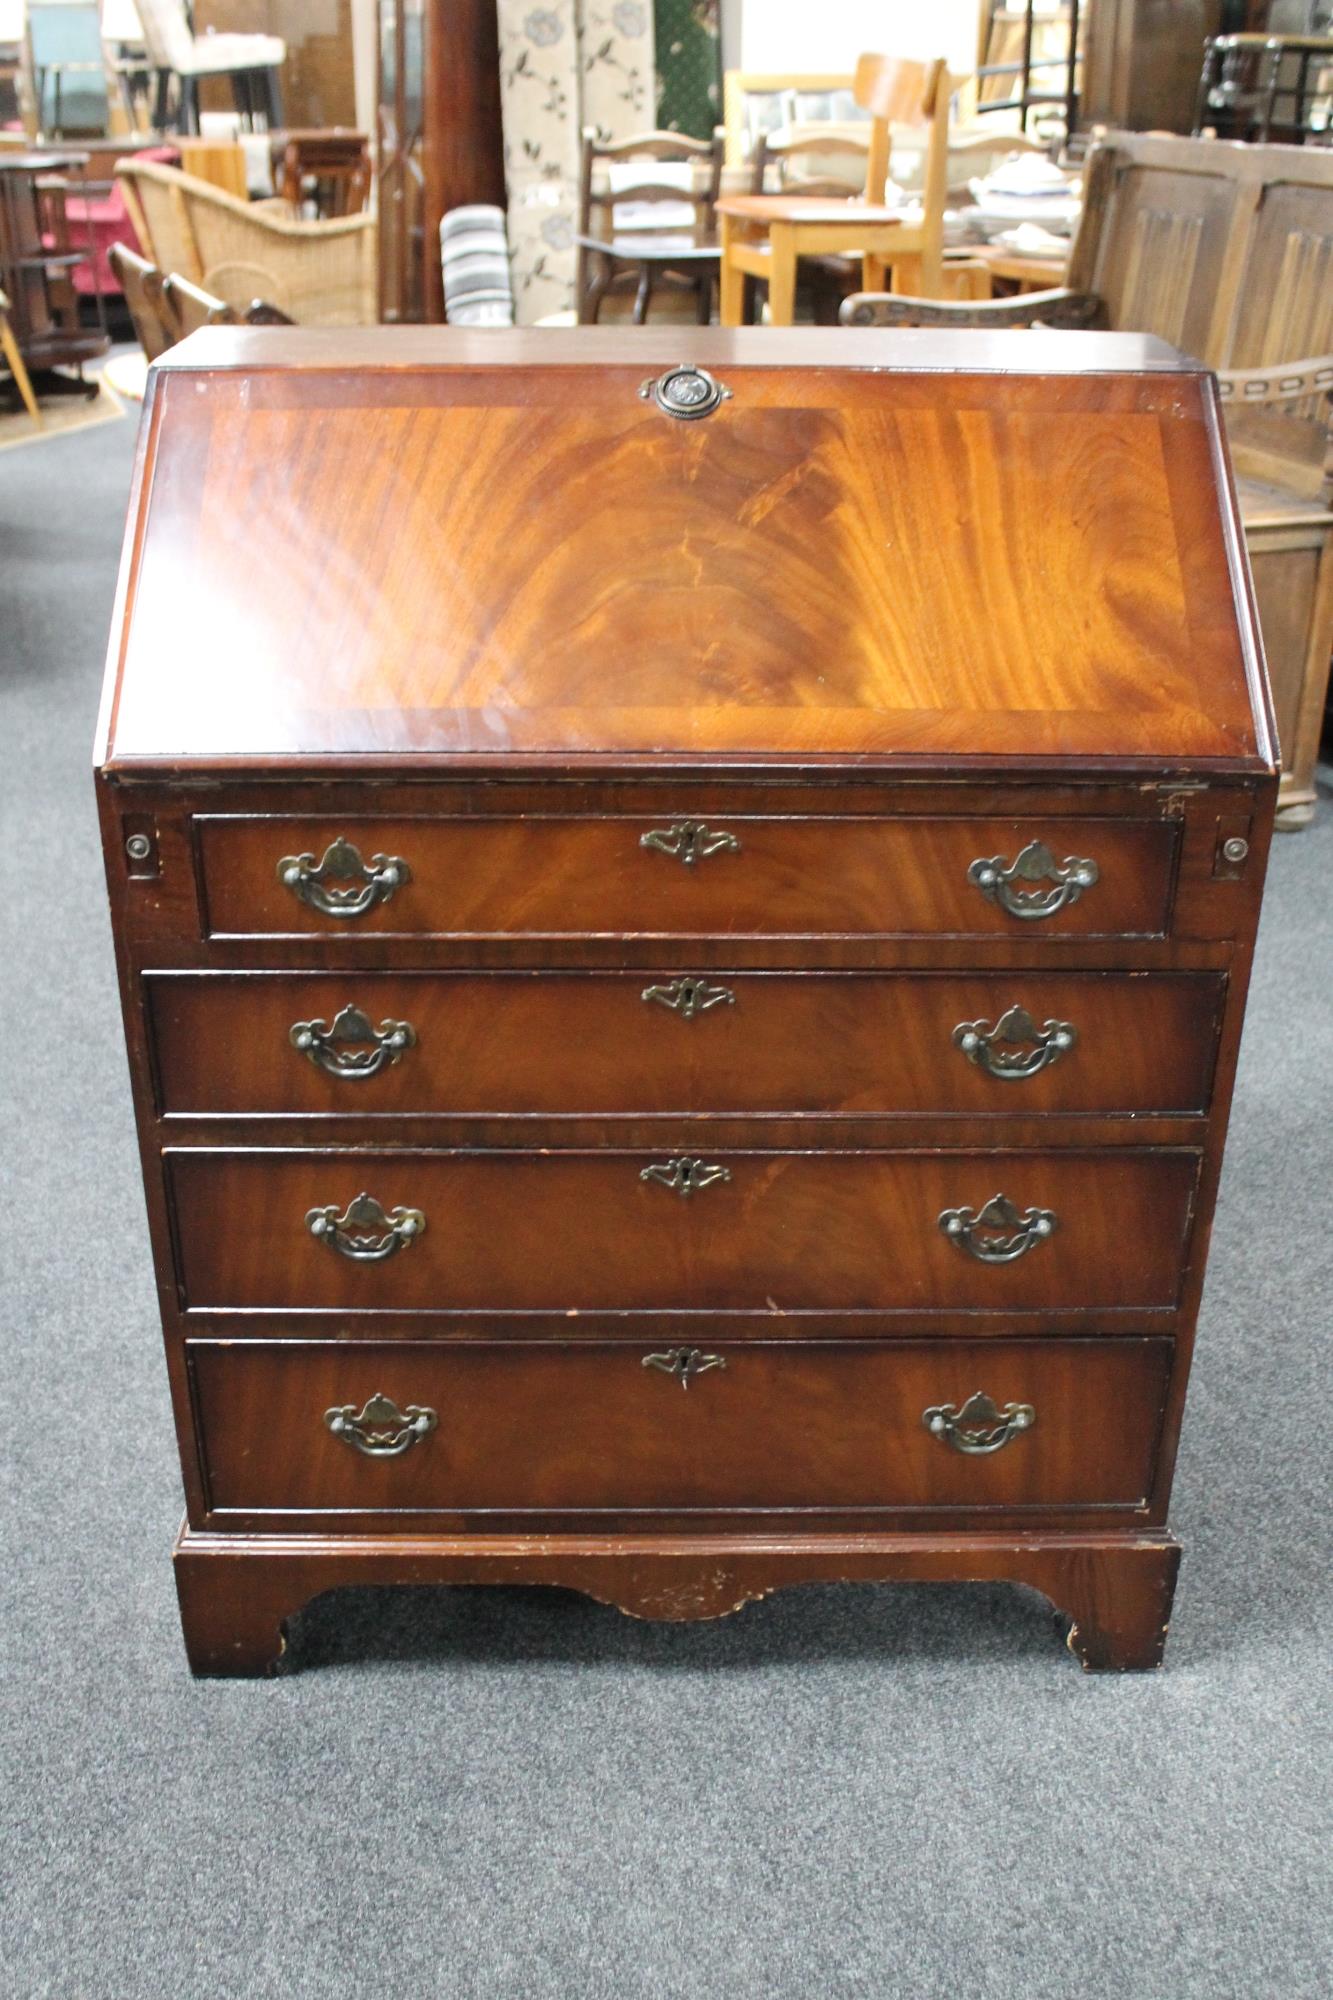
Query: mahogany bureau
(684, 903)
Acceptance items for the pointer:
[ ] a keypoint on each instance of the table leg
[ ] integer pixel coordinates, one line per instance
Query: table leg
(874, 273)
(782, 275)
(731, 281)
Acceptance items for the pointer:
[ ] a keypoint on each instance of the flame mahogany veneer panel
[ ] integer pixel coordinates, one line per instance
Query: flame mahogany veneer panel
(576, 1428)
(556, 876)
(551, 1043)
(849, 559)
(787, 1232)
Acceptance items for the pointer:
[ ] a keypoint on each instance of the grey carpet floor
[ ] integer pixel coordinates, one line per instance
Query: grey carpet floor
(840, 1792)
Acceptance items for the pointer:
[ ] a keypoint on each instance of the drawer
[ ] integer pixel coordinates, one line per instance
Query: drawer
(672, 876)
(623, 1231)
(292, 1427)
(748, 1042)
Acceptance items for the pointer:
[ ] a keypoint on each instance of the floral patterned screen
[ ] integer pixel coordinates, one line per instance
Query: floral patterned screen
(563, 65)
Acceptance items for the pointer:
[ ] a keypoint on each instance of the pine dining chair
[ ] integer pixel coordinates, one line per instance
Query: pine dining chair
(765, 235)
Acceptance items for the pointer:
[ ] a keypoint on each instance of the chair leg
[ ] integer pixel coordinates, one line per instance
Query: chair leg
(589, 303)
(643, 297)
(272, 95)
(242, 99)
(9, 347)
(704, 304)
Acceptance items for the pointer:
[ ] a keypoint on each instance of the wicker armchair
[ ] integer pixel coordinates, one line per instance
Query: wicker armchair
(317, 273)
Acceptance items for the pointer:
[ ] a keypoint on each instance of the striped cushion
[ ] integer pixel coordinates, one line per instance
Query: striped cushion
(474, 253)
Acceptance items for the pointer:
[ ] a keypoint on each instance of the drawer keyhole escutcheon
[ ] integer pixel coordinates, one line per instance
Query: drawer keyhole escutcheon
(685, 1176)
(381, 1429)
(690, 841)
(364, 1231)
(1015, 1047)
(684, 1363)
(1000, 881)
(999, 1233)
(685, 391)
(352, 1047)
(979, 1427)
(688, 997)
(342, 884)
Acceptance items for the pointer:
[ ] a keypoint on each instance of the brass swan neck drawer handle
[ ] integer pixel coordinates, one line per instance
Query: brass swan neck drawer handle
(690, 841)
(684, 1363)
(999, 1233)
(685, 1176)
(978, 1427)
(688, 997)
(1015, 1047)
(364, 1231)
(381, 1429)
(342, 884)
(1000, 881)
(352, 1047)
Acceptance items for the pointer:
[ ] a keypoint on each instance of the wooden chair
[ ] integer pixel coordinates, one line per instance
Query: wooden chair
(793, 99)
(802, 160)
(144, 289)
(251, 63)
(1224, 250)
(1246, 78)
(674, 257)
(316, 273)
(68, 68)
(764, 236)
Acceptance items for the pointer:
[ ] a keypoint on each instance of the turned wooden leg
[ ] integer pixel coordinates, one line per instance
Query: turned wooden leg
(233, 1614)
(1117, 1602)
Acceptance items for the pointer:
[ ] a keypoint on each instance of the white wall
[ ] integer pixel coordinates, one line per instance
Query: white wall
(830, 34)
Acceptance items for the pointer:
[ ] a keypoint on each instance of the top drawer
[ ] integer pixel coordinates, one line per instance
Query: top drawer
(729, 877)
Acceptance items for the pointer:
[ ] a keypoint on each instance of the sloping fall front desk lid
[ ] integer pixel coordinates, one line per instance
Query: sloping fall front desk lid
(920, 550)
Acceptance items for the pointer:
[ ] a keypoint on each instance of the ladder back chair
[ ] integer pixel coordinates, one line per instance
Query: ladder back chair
(679, 254)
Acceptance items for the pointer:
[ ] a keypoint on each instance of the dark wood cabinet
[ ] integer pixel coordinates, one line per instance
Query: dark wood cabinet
(439, 143)
(683, 972)
(1142, 60)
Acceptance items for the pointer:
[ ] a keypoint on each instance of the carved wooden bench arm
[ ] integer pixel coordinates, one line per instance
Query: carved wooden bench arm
(1287, 382)
(1058, 307)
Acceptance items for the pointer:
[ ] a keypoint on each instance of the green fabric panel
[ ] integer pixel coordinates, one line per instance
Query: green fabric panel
(689, 71)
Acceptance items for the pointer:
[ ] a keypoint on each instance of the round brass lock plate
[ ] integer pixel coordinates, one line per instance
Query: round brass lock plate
(685, 391)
